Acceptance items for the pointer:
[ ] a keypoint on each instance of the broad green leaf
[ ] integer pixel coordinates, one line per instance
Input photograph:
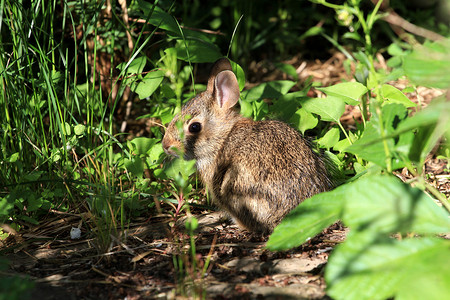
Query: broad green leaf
(288, 69)
(428, 116)
(67, 128)
(135, 165)
(330, 139)
(304, 120)
(33, 202)
(349, 92)
(392, 114)
(159, 18)
(246, 108)
(370, 146)
(430, 124)
(272, 89)
(143, 145)
(341, 145)
(285, 106)
(79, 129)
(166, 115)
(182, 167)
(307, 220)
(148, 85)
(199, 51)
(14, 157)
(392, 94)
(155, 153)
(240, 75)
(395, 50)
(429, 64)
(135, 67)
(6, 206)
(385, 204)
(260, 110)
(329, 109)
(366, 266)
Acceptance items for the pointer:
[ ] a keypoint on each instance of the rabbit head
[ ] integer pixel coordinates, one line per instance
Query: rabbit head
(203, 123)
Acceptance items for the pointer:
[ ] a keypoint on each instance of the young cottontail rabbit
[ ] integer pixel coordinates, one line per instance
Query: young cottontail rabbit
(255, 171)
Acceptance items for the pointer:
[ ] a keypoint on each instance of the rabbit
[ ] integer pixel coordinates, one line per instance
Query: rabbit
(256, 171)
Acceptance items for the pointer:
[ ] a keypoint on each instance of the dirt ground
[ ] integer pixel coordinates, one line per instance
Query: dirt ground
(153, 261)
(239, 265)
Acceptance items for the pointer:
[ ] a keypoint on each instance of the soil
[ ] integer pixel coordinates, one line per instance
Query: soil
(144, 268)
(152, 259)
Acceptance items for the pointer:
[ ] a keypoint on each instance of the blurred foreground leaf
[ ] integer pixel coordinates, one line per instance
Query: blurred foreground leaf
(429, 64)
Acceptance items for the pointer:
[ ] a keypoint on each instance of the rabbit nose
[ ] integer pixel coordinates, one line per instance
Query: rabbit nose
(169, 146)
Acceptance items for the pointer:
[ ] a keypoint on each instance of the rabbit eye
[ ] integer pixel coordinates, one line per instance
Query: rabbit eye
(195, 127)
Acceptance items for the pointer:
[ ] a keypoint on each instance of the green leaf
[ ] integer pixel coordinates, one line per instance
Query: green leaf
(341, 145)
(349, 92)
(143, 145)
(28, 219)
(315, 30)
(191, 224)
(159, 17)
(272, 89)
(369, 267)
(33, 202)
(6, 207)
(67, 128)
(285, 106)
(14, 157)
(240, 75)
(393, 114)
(148, 85)
(260, 109)
(79, 129)
(288, 69)
(307, 220)
(392, 94)
(182, 167)
(385, 204)
(304, 120)
(430, 124)
(429, 64)
(136, 66)
(135, 165)
(370, 146)
(329, 109)
(155, 153)
(428, 116)
(200, 51)
(246, 108)
(330, 139)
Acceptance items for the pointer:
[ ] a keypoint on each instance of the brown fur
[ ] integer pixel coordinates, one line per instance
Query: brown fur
(255, 171)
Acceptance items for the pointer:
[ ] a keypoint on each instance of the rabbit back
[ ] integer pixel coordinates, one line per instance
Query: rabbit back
(264, 170)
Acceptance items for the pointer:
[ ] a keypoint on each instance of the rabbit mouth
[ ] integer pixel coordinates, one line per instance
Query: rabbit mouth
(172, 147)
(174, 151)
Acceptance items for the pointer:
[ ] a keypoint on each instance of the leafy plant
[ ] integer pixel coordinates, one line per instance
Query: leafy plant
(374, 204)
(13, 287)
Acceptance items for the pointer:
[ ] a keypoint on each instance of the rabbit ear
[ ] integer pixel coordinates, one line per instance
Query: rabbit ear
(220, 65)
(226, 89)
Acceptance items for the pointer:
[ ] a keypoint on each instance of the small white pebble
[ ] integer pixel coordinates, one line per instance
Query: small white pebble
(75, 233)
(326, 249)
